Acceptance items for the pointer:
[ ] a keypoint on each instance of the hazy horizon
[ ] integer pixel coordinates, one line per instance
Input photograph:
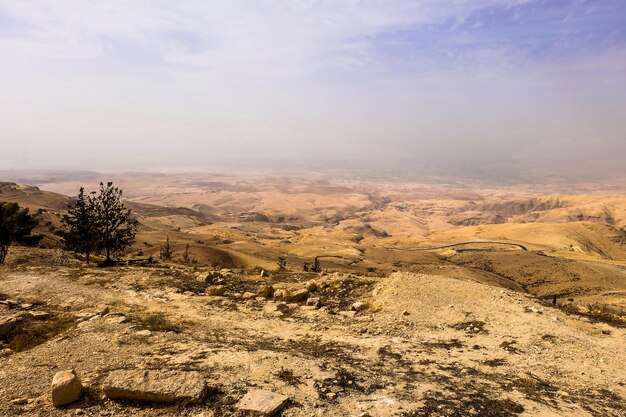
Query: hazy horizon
(493, 89)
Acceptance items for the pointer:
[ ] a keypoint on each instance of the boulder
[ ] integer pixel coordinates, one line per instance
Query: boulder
(10, 323)
(66, 388)
(155, 386)
(217, 290)
(262, 402)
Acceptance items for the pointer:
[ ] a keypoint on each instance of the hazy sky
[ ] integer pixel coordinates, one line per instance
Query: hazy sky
(474, 86)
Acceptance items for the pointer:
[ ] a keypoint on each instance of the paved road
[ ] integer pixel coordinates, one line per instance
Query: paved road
(522, 247)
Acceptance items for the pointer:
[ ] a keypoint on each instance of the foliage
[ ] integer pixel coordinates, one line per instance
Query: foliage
(100, 223)
(187, 258)
(116, 228)
(16, 225)
(81, 235)
(166, 252)
(282, 263)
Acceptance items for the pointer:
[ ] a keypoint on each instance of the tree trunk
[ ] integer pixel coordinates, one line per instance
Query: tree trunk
(3, 253)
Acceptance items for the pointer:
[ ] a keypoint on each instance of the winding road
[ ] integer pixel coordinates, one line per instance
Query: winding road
(522, 247)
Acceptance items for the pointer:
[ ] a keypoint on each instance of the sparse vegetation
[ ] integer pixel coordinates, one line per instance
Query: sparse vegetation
(16, 225)
(166, 252)
(99, 223)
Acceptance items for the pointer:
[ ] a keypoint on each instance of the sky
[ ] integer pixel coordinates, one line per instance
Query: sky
(478, 88)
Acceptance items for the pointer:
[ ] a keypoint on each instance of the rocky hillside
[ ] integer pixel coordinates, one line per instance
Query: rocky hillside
(169, 340)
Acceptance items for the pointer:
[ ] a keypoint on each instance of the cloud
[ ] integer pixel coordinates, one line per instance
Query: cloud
(440, 83)
(304, 36)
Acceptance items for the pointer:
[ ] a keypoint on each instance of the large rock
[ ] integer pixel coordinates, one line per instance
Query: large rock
(10, 323)
(155, 386)
(66, 388)
(261, 402)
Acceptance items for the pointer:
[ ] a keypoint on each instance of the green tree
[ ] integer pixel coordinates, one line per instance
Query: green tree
(16, 225)
(115, 225)
(81, 235)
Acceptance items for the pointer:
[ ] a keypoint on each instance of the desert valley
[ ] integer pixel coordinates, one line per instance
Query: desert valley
(342, 295)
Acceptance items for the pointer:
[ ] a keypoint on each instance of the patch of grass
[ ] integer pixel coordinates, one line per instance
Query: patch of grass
(155, 322)
(288, 377)
(495, 362)
(510, 347)
(536, 389)
(342, 383)
(445, 344)
(471, 327)
(462, 404)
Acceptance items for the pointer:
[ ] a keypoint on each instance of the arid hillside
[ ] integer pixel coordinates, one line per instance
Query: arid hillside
(433, 299)
(339, 344)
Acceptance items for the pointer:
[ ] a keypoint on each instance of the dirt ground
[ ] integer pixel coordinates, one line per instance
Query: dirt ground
(426, 345)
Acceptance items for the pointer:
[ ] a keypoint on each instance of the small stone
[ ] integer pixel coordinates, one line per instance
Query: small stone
(280, 294)
(359, 306)
(26, 306)
(266, 291)
(85, 316)
(39, 315)
(262, 402)
(144, 333)
(66, 388)
(210, 277)
(406, 313)
(331, 395)
(217, 290)
(311, 286)
(19, 401)
(298, 295)
(314, 301)
(264, 274)
(103, 310)
(248, 295)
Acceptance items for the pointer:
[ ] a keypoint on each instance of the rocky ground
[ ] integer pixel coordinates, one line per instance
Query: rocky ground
(335, 345)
